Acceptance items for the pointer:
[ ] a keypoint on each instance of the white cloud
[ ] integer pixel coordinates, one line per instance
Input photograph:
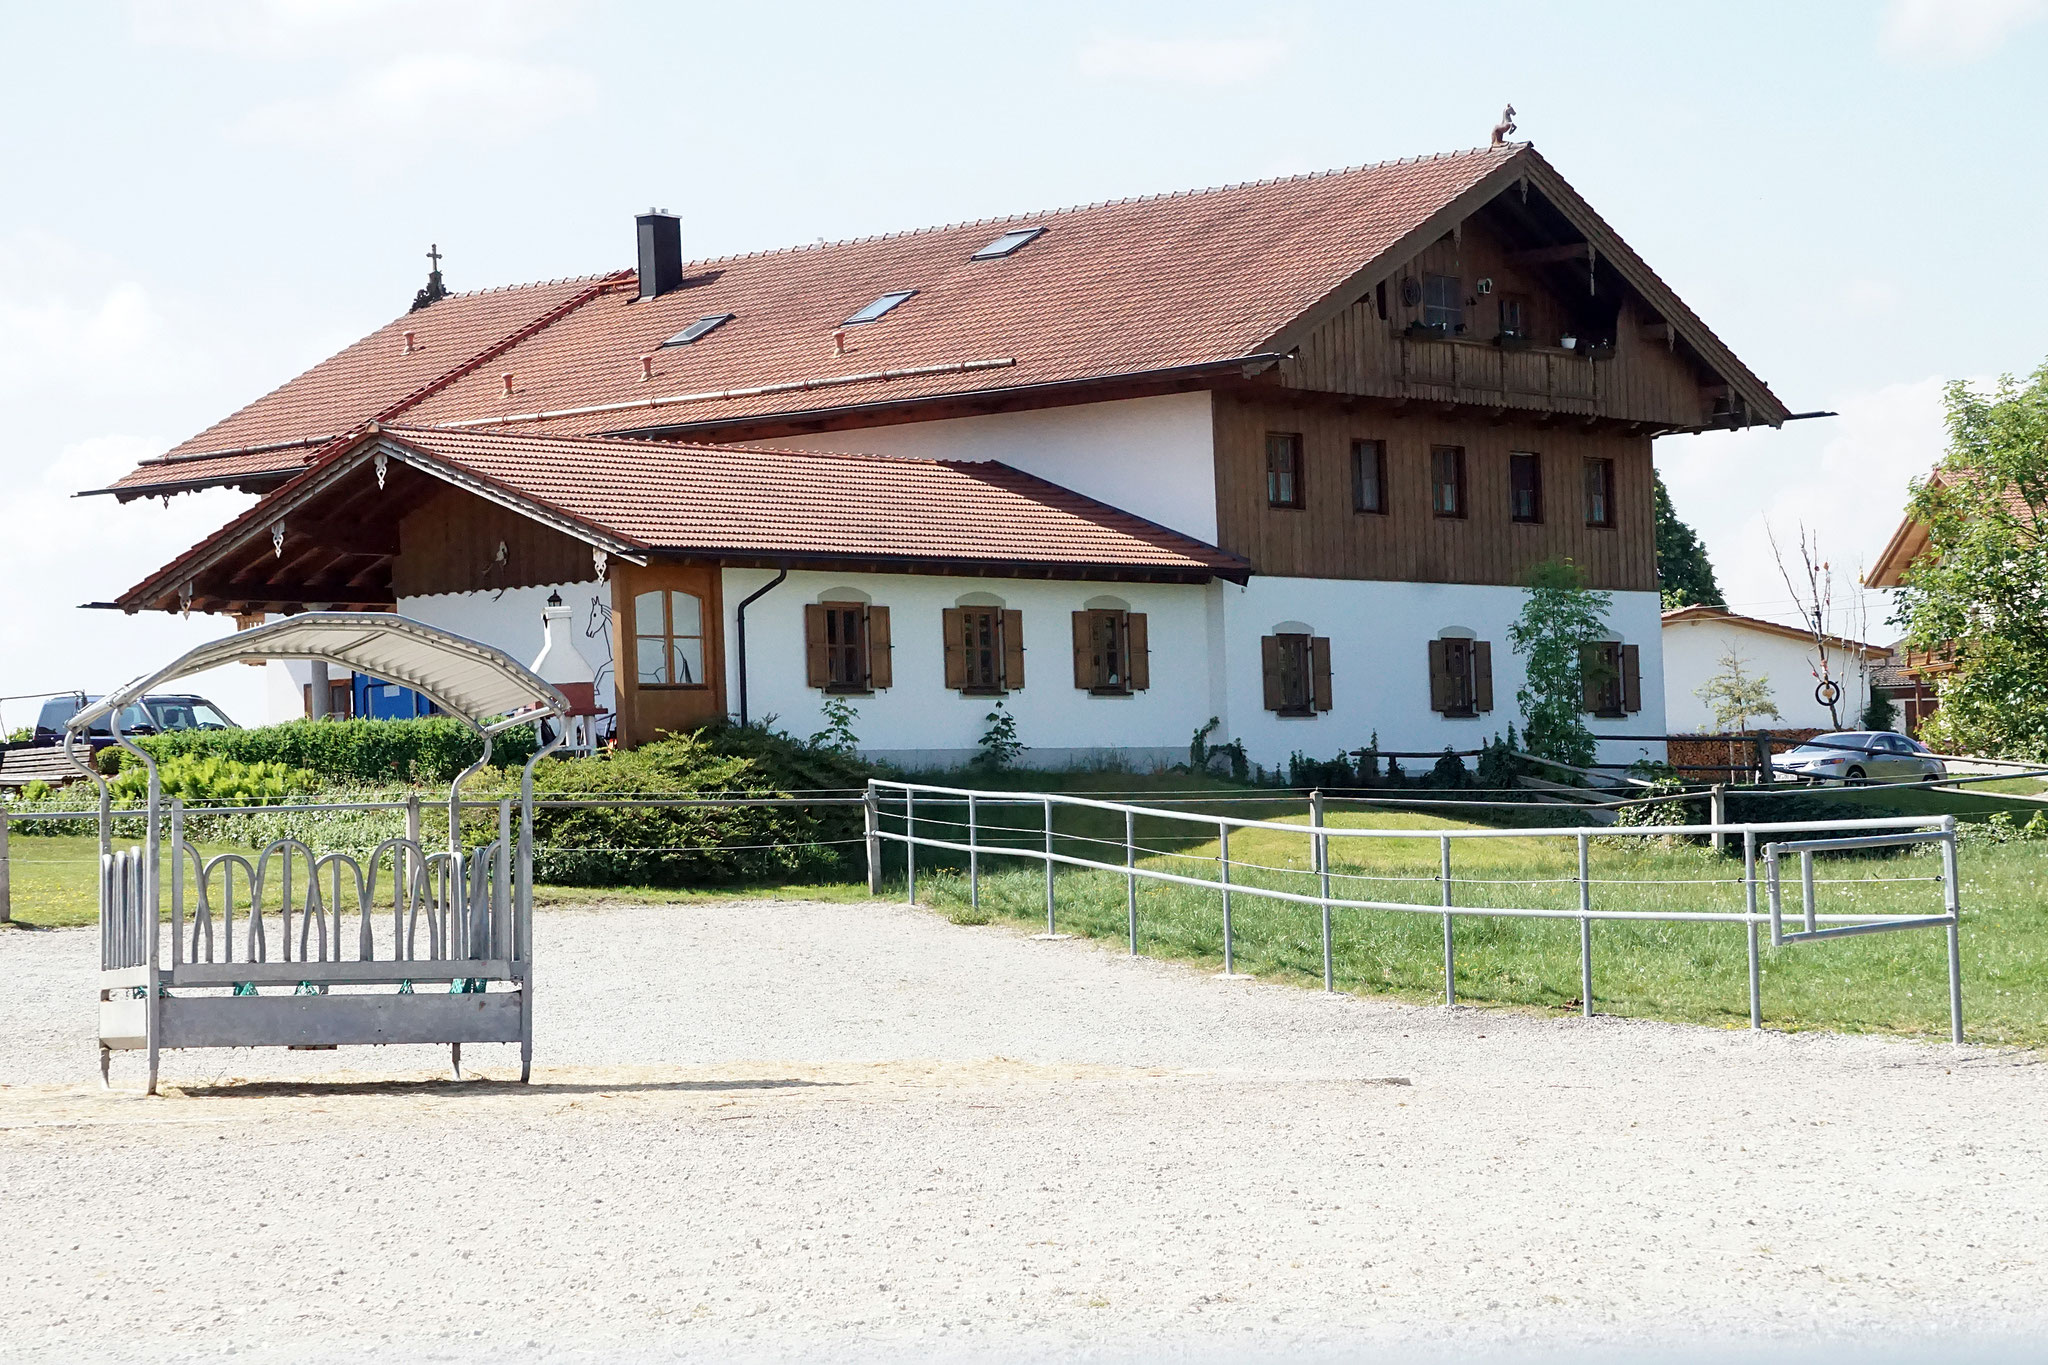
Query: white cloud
(286, 29)
(1845, 478)
(63, 322)
(1949, 31)
(1185, 61)
(417, 108)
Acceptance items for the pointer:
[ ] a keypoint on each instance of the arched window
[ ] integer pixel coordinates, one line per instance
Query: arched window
(668, 638)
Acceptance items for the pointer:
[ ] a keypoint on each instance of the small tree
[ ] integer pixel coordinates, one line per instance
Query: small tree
(1560, 617)
(1879, 713)
(838, 737)
(1735, 697)
(999, 743)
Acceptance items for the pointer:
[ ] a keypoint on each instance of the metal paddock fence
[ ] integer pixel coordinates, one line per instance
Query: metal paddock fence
(896, 803)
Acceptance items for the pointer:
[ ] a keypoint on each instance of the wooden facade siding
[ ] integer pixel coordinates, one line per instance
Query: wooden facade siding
(450, 544)
(1325, 538)
(1359, 352)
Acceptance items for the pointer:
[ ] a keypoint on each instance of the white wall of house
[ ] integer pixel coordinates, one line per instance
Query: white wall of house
(919, 722)
(1379, 636)
(1154, 457)
(511, 621)
(1693, 651)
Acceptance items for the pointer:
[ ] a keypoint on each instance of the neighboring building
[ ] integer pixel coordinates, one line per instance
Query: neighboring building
(1697, 639)
(1277, 453)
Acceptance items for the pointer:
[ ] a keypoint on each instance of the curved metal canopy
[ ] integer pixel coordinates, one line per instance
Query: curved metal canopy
(461, 676)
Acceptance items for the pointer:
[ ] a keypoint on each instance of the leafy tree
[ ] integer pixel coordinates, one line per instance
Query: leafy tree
(1977, 592)
(1682, 565)
(1735, 696)
(1879, 713)
(1560, 616)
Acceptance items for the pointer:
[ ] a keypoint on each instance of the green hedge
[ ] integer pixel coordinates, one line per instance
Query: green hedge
(430, 749)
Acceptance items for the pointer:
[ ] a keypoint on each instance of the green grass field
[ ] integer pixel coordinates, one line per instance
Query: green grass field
(1889, 983)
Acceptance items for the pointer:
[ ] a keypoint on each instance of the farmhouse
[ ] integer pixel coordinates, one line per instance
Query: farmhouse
(1277, 454)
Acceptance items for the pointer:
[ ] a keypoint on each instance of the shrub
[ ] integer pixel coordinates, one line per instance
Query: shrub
(999, 743)
(1303, 771)
(429, 749)
(1449, 772)
(1880, 713)
(684, 846)
(215, 781)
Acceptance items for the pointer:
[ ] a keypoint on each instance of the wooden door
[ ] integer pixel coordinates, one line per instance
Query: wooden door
(670, 665)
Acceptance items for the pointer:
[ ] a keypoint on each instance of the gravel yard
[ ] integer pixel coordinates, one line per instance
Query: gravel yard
(782, 1131)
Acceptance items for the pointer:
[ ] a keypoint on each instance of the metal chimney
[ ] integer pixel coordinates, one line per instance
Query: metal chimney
(661, 252)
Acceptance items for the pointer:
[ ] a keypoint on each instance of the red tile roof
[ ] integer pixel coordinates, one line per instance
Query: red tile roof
(661, 497)
(1134, 286)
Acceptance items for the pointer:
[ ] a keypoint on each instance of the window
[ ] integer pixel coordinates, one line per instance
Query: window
(1610, 679)
(668, 638)
(1447, 480)
(1369, 476)
(1599, 492)
(1525, 486)
(1460, 676)
(984, 649)
(1111, 652)
(1514, 315)
(874, 311)
(703, 326)
(846, 646)
(1297, 673)
(1283, 469)
(1443, 302)
(1008, 244)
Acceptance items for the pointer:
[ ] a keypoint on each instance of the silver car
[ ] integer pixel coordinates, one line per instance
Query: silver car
(1859, 756)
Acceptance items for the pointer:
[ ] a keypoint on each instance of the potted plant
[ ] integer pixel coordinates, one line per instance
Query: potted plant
(1568, 341)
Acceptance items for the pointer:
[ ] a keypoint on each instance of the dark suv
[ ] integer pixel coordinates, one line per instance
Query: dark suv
(152, 715)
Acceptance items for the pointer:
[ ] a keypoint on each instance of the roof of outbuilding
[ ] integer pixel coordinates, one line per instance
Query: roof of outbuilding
(661, 497)
(1130, 288)
(1712, 615)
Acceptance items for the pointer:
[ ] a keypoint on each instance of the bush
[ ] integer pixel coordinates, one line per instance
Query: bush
(1303, 771)
(216, 781)
(687, 846)
(429, 749)
(1449, 773)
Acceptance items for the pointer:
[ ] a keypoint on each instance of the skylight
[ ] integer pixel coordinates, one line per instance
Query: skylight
(1007, 244)
(703, 326)
(879, 307)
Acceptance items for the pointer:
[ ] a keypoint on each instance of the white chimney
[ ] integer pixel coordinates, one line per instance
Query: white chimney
(560, 662)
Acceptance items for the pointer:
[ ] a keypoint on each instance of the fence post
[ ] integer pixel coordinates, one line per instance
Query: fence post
(1952, 895)
(6, 890)
(1766, 773)
(973, 855)
(909, 846)
(1131, 878)
(1051, 925)
(1717, 813)
(503, 920)
(1319, 844)
(1585, 929)
(177, 879)
(1450, 987)
(871, 827)
(1223, 867)
(1756, 997)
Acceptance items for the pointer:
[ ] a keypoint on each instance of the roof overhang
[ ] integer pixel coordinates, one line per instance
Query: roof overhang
(466, 679)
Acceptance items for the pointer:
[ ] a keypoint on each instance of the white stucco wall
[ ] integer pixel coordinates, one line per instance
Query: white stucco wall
(919, 722)
(1151, 456)
(511, 621)
(1379, 636)
(1693, 650)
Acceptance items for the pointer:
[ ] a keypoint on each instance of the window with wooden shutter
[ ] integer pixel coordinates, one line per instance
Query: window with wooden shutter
(1447, 480)
(1297, 673)
(1599, 492)
(838, 646)
(984, 649)
(1460, 676)
(1631, 679)
(1103, 651)
(880, 657)
(1525, 487)
(1603, 681)
(1138, 641)
(1369, 476)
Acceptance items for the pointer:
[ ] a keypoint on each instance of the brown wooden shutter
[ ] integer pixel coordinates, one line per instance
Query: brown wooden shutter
(1013, 650)
(1482, 675)
(1137, 652)
(1269, 662)
(1631, 678)
(881, 667)
(955, 619)
(1319, 670)
(1591, 666)
(816, 674)
(1084, 650)
(1440, 675)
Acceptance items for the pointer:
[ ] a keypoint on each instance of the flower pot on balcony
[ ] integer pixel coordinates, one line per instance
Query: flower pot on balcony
(1428, 331)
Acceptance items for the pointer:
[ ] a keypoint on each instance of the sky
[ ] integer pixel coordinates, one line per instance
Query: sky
(203, 197)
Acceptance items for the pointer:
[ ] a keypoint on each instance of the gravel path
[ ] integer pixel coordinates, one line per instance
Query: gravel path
(782, 1131)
